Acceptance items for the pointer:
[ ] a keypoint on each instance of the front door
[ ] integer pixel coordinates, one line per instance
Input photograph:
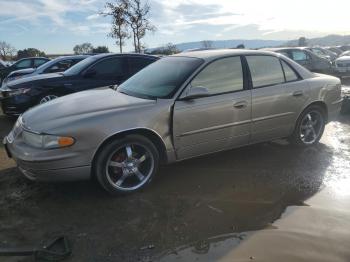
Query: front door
(219, 121)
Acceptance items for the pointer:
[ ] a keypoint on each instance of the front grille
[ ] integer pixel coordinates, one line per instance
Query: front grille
(343, 64)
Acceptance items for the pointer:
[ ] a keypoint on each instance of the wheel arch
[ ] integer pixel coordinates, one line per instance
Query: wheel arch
(320, 104)
(148, 133)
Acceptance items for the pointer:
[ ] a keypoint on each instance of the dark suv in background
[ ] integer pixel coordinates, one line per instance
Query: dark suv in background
(105, 70)
(32, 62)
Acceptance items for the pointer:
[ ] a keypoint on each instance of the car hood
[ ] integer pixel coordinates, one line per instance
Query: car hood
(22, 81)
(343, 58)
(79, 105)
(22, 71)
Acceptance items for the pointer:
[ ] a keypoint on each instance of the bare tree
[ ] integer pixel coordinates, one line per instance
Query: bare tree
(207, 44)
(6, 50)
(138, 19)
(85, 48)
(119, 29)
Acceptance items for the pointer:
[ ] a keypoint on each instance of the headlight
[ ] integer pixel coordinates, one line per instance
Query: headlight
(19, 91)
(46, 141)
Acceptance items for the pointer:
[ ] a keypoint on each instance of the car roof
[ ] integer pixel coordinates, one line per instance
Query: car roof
(124, 54)
(71, 57)
(210, 55)
(217, 53)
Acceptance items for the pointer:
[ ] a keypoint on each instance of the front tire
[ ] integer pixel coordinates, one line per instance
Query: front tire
(126, 165)
(47, 98)
(310, 127)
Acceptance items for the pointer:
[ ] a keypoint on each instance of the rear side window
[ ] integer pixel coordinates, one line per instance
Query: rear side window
(137, 63)
(289, 72)
(265, 70)
(221, 76)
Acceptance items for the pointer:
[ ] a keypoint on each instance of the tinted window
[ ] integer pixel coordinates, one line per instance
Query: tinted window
(265, 70)
(224, 75)
(299, 55)
(110, 66)
(39, 62)
(76, 69)
(24, 64)
(162, 78)
(289, 72)
(138, 63)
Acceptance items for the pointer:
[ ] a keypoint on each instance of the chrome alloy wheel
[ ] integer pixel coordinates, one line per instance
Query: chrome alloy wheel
(130, 167)
(311, 127)
(47, 98)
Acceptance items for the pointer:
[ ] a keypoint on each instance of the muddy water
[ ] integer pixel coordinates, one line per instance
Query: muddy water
(267, 202)
(316, 229)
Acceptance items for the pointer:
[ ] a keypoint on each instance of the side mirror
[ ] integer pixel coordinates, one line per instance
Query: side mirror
(90, 73)
(196, 92)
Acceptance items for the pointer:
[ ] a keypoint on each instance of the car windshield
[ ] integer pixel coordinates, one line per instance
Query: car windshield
(162, 78)
(77, 68)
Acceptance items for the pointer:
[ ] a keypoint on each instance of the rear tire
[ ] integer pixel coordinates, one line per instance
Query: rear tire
(126, 165)
(309, 127)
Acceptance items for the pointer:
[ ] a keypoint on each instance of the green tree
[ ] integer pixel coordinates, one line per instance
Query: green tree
(100, 50)
(118, 11)
(29, 52)
(85, 48)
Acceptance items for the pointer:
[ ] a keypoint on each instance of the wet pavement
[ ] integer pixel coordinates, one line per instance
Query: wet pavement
(266, 202)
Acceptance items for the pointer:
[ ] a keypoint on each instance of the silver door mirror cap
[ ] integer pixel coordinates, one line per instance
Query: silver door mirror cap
(195, 92)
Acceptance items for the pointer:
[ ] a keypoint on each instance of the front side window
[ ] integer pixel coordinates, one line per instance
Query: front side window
(265, 70)
(221, 76)
(39, 62)
(289, 72)
(24, 64)
(111, 66)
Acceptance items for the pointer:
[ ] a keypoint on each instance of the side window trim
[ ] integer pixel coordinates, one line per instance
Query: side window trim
(245, 81)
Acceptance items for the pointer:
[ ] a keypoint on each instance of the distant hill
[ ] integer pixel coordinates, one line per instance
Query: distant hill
(228, 44)
(329, 40)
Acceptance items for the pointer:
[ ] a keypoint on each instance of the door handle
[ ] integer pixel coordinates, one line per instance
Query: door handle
(67, 84)
(241, 104)
(298, 93)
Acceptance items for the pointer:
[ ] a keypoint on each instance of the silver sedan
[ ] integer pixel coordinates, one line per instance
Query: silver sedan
(180, 107)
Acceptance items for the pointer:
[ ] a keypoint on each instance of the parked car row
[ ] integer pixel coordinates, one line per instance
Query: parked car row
(175, 108)
(330, 60)
(24, 63)
(41, 86)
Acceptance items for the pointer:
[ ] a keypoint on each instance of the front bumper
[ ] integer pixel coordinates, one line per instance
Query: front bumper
(15, 105)
(48, 170)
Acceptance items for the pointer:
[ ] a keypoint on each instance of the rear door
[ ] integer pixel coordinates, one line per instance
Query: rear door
(219, 121)
(275, 101)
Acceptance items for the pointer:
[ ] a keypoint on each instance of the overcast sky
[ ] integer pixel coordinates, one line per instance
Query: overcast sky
(55, 26)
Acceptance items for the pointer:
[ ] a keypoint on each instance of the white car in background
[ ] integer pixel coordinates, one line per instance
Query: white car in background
(342, 66)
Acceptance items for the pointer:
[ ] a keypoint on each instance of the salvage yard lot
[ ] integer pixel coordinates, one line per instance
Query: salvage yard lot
(233, 192)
